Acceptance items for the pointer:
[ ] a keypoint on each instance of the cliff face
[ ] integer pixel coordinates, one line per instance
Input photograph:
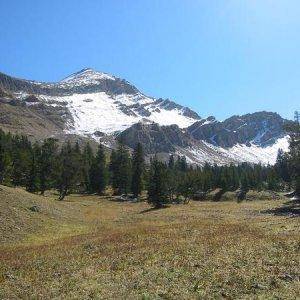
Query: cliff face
(155, 138)
(260, 128)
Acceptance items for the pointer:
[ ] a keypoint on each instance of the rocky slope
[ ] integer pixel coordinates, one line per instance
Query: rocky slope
(155, 138)
(102, 107)
(261, 128)
(171, 139)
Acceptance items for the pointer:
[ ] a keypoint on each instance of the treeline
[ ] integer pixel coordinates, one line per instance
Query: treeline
(171, 182)
(70, 168)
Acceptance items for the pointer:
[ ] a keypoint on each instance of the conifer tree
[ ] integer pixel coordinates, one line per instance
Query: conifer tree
(158, 190)
(99, 172)
(88, 159)
(172, 181)
(272, 179)
(171, 163)
(120, 168)
(6, 157)
(2, 156)
(281, 166)
(47, 164)
(187, 185)
(77, 148)
(69, 173)
(294, 154)
(244, 183)
(21, 154)
(137, 183)
(33, 177)
(123, 170)
(113, 170)
(78, 160)
(181, 164)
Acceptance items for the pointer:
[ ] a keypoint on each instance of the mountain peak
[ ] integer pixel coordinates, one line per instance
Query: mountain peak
(87, 69)
(88, 73)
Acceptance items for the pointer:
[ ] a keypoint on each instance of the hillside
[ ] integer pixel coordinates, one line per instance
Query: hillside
(89, 246)
(23, 214)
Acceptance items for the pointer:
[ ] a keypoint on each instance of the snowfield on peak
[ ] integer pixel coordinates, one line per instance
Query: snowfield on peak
(99, 102)
(101, 112)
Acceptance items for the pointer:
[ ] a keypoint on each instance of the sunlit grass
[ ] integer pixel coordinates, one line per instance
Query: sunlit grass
(105, 249)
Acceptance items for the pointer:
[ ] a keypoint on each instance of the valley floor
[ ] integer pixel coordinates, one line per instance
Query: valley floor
(92, 247)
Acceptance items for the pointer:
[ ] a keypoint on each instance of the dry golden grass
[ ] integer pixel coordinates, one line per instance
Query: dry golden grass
(90, 247)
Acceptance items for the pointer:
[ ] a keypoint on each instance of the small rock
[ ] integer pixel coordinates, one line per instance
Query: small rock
(34, 208)
(9, 276)
(286, 277)
(259, 286)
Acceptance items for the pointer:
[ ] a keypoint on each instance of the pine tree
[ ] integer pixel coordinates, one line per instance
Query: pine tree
(137, 182)
(6, 159)
(8, 167)
(281, 166)
(172, 182)
(33, 177)
(272, 180)
(69, 174)
(47, 164)
(113, 170)
(77, 148)
(244, 184)
(158, 190)
(88, 159)
(21, 154)
(294, 154)
(78, 160)
(2, 156)
(187, 185)
(181, 164)
(224, 180)
(99, 172)
(171, 163)
(121, 170)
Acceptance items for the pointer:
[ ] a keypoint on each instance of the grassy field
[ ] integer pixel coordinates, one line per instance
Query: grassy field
(89, 247)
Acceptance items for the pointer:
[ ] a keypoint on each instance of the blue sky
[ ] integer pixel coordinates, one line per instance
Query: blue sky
(219, 57)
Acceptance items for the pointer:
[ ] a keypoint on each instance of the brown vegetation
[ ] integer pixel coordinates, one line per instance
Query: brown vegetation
(91, 247)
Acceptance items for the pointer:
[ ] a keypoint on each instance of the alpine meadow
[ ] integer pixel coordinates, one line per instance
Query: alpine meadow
(111, 192)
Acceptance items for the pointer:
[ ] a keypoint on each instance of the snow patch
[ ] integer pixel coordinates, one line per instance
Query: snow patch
(205, 152)
(264, 155)
(101, 112)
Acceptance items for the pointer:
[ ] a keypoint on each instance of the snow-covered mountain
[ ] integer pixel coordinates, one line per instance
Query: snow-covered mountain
(99, 102)
(103, 107)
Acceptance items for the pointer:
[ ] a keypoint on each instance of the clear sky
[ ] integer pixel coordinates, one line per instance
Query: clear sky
(219, 57)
